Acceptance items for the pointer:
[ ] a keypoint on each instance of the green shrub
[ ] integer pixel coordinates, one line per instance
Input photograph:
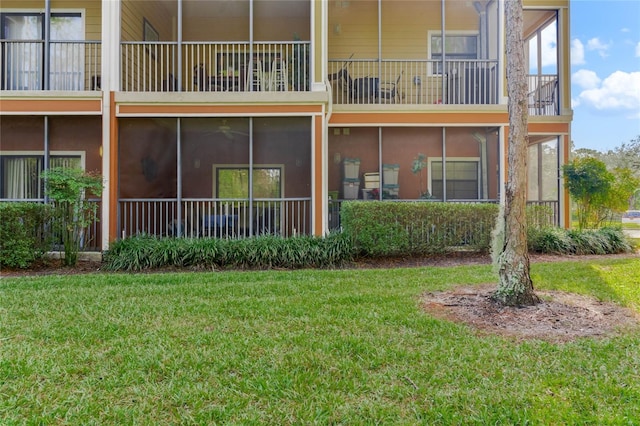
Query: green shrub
(68, 187)
(618, 242)
(23, 239)
(562, 241)
(262, 252)
(386, 229)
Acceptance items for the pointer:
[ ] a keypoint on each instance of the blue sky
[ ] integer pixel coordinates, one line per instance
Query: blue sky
(605, 72)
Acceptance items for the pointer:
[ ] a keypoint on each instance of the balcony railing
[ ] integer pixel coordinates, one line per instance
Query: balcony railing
(215, 218)
(543, 94)
(413, 82)
(73, 65)
(215, 67)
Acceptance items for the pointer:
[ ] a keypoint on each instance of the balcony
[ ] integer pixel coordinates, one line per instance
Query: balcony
(413, 82)
(215, 66)
(71, 66)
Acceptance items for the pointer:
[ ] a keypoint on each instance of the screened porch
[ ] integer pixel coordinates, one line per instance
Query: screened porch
(215, 177)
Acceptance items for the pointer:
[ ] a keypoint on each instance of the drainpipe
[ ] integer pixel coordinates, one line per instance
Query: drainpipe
(442, 20)
(179, 175)
(444, 163)
(46, 151)
(179, 41)
(251, 215)
(47, 43)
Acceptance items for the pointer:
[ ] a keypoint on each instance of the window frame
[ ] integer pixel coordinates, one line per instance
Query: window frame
(247, 167)
(39, 155)
(475, 160)
(71, 12)
(433, 68)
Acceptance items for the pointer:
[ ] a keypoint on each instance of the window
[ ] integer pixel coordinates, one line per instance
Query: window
(462, 177)
(23, 53)
(233, 182)
(458, 47)
(21, 174)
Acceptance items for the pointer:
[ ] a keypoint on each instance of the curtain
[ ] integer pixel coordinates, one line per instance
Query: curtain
(22, 177)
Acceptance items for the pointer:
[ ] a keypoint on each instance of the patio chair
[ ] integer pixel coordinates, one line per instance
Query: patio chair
(543, 100)
(389, 90)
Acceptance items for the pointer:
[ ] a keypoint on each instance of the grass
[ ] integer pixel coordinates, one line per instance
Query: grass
(301, 347)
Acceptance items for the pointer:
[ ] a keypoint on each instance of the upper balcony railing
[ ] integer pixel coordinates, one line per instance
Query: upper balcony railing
(72, 65)
(543, 94)
(413, 82)
(215, 66)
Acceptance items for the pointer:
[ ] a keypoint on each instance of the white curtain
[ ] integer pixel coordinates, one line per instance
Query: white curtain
(23, 57)
(22, 177)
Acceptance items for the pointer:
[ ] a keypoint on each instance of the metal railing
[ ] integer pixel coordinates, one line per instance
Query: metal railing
(413, 82)
(214, 218)
(543, 94)
(549, 215)
(73, 65)
(215, 66)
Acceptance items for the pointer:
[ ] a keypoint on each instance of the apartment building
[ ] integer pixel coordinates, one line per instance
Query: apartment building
(230, 118)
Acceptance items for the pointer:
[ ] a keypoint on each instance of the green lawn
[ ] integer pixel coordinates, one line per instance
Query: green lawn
(301, 347)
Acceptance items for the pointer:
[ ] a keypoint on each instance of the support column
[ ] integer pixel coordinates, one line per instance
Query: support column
(110, 81)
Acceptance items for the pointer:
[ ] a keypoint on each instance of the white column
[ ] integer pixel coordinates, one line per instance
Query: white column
(110, 82)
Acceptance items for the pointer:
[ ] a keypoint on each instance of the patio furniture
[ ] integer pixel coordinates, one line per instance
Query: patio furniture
(389, 90)
(219, 225)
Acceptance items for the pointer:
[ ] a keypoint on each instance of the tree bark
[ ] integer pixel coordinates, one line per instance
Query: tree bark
(515, 287)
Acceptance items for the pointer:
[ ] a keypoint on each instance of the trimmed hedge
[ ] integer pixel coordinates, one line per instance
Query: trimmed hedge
(379, 228)
(262, 252)
(23, 239)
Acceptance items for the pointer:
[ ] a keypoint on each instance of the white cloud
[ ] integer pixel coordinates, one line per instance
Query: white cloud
(577, 52)
(549, 46)
(618, 92)
(586, 79)
(638, 50)
(598, 46)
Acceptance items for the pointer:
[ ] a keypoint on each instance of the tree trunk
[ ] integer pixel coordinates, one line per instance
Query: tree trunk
(515, 287)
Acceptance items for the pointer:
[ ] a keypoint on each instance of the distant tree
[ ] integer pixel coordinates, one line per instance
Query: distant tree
(622, 193)
(589, 183)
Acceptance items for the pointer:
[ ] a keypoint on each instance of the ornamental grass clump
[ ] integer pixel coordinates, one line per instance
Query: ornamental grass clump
(261, 252)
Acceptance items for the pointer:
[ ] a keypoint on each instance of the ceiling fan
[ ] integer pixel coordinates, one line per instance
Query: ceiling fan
(228, 131)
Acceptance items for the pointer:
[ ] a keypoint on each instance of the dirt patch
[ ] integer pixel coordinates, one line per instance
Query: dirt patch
(560, 317)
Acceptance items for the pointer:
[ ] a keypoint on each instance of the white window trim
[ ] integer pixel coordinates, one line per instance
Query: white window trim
(431, 160)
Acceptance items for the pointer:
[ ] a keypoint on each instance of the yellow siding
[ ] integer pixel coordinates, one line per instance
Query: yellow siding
(405, 24)
(159, 14)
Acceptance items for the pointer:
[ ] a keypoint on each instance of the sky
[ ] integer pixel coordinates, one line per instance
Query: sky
(605, 72)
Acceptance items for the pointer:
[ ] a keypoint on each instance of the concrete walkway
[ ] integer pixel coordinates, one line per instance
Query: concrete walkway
(632, 233)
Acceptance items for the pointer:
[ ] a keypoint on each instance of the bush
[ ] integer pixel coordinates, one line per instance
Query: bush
(23, 238)
(562, 241)
(388, 229)
(67, 187)
(262, 252)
